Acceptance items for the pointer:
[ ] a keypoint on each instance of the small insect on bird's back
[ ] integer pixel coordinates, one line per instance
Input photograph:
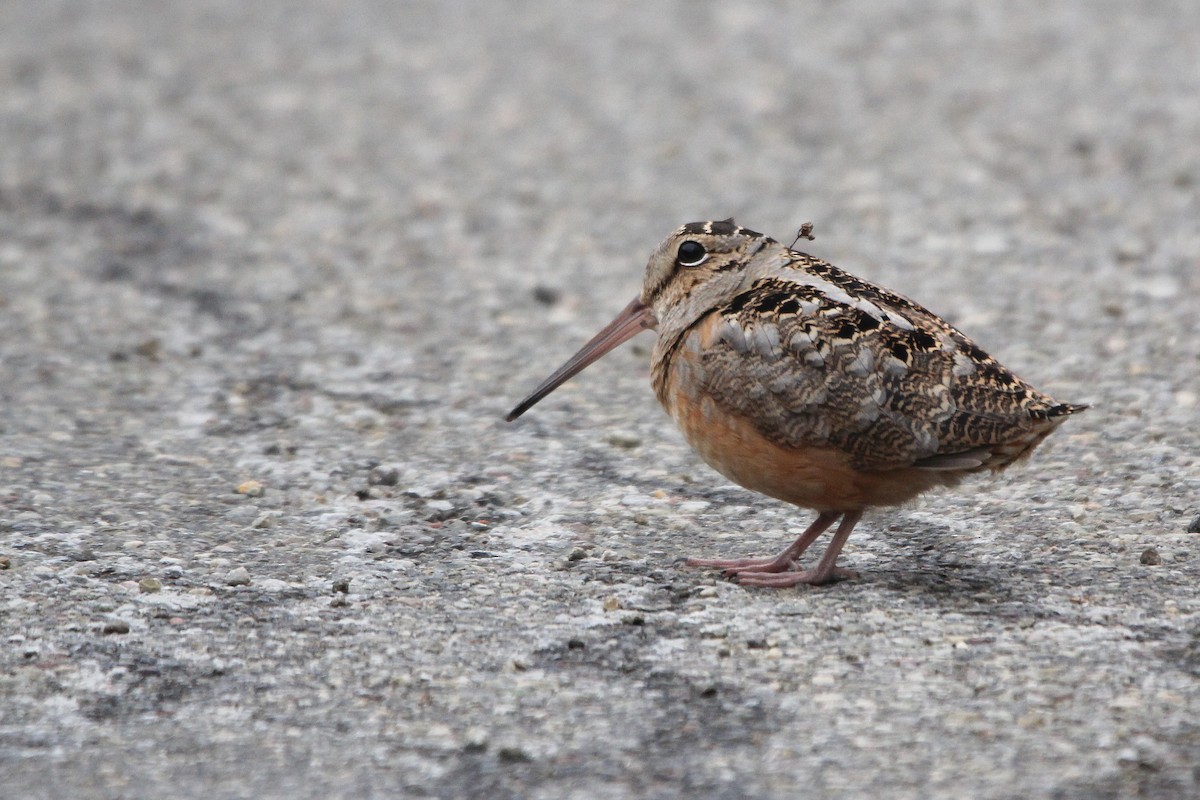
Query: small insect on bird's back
(798, 380)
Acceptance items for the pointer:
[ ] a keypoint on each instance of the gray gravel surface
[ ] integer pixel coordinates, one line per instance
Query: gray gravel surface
(271, 274)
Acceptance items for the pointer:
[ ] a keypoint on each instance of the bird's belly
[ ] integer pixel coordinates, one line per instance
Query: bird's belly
(816, 477)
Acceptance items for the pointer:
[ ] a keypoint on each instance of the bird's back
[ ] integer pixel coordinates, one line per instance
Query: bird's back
(813, 358)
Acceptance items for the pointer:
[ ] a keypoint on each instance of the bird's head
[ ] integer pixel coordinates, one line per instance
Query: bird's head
(700, 266)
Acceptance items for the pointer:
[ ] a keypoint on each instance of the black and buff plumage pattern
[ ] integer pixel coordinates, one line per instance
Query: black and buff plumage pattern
(817, 357)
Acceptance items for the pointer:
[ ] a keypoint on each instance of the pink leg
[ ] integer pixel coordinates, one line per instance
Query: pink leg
(783, 562)
(826, 570)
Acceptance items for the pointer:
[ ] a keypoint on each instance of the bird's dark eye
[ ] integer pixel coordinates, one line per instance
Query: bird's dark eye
(691, 254)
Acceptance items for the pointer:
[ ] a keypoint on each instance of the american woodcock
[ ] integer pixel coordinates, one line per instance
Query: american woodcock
(800, 381)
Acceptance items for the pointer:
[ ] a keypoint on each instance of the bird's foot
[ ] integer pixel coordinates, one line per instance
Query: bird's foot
(779, 571)
(730, 567)
(781, 580)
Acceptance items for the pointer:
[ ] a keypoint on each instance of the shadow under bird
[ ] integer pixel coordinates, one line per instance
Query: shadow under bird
(798, 380)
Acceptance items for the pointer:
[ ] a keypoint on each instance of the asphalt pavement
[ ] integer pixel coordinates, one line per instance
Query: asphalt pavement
(271, 274)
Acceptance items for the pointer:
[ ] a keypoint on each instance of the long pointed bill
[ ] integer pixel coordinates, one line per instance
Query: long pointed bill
(636, 318)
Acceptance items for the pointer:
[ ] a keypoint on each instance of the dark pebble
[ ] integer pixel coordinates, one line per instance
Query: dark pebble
(546, 295)
(1195, 526)
(384, 476)
(1150, 557)
(513, 755)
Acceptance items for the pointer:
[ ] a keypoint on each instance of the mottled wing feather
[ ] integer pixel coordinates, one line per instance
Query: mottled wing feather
(816, 357)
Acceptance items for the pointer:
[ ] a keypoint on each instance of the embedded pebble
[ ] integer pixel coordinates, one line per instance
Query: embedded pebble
(624, 440)
(475, 739)
(513, 754)
(238, 577)
(251, 488)
(384, 475)
(546, 295)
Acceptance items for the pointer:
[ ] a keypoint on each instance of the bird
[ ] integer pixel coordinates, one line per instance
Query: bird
(802, 382)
